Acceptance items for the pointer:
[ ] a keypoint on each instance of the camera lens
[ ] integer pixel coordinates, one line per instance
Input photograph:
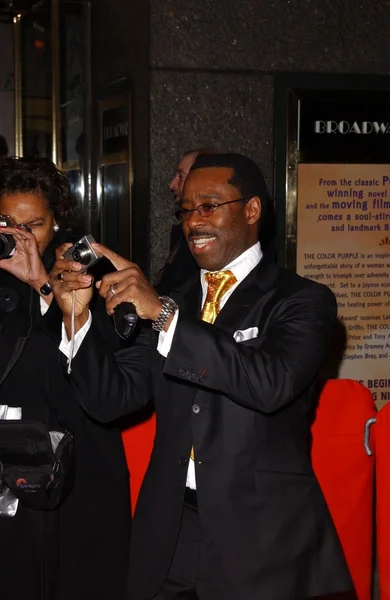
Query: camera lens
(82, 254)
(7, 244)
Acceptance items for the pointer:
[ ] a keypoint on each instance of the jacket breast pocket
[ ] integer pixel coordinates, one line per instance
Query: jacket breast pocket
(255, 342)
(271, 484)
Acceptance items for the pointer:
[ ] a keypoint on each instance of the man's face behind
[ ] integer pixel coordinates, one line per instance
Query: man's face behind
(216, 240)
(183, 167)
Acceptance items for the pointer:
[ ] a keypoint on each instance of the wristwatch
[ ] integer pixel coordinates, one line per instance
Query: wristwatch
(169, 306)
(46, 289)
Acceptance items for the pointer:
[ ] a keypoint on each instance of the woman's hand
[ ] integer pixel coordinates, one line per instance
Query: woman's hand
(66, 278)
(26, 263)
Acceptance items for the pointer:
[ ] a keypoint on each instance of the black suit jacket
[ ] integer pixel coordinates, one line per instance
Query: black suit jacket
(268, 530)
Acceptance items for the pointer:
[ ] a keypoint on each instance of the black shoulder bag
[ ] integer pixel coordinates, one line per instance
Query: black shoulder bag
(36, 465)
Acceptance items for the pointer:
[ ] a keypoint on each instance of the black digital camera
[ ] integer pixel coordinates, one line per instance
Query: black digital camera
(7, 242)
(82, 252)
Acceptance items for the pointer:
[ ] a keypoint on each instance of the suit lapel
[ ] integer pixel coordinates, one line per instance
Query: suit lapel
(189, 296)
(257, 283)
(246, 295)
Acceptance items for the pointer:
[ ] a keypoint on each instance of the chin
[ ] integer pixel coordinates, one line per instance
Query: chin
(207, 266)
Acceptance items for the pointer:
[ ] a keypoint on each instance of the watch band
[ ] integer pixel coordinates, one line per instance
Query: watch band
(46, 289)
(169, 306)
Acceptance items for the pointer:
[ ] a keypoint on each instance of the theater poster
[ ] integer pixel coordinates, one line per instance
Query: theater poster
(335, 177)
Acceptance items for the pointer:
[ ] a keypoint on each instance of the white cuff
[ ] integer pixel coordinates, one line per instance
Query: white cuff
(66, 344)
(165, 337)
(43, 305)
(10, 412)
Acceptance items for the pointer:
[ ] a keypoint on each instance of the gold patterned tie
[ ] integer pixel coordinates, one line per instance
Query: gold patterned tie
(217, 285)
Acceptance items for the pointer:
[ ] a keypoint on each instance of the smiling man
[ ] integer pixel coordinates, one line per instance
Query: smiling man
(221, 214)
(230, 508)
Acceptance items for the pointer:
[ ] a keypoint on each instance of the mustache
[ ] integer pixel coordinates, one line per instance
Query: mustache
(199, 234)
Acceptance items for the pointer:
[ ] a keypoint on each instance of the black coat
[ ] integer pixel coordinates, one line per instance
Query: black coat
(179, 266)
(244, 407)
(80, 550)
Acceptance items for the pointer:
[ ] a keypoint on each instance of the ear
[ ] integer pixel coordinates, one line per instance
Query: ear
(253, 210)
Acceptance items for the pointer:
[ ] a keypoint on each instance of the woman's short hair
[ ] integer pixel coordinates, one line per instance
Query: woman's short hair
(40, 175)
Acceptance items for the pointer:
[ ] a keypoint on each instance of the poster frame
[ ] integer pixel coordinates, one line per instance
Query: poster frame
(290, 89)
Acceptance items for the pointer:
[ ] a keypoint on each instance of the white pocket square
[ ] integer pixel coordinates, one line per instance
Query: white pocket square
(246, 334)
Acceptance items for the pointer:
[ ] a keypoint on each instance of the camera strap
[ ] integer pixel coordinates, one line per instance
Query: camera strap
(72, 334)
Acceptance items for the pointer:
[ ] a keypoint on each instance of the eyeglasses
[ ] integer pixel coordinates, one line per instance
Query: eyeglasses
(205, 210)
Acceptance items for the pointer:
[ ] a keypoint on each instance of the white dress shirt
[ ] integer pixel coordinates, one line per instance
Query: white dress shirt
(66, 344)
(240, 267)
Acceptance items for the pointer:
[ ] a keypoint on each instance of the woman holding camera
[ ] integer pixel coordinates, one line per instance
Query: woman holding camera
(79, 549)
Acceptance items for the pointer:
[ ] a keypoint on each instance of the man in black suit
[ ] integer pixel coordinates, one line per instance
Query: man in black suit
(230, 508)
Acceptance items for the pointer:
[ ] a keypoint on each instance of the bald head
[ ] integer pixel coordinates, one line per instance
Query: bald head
(183, 167)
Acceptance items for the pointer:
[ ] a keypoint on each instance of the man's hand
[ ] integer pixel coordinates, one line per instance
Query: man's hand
(127, 284)
(26, 263)
(66, 278)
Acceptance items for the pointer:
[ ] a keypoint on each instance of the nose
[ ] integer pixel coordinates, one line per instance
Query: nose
(174, 185)
(196, 220)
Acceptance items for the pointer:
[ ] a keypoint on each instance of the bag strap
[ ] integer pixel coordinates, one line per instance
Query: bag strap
(19, 347)
(20, 342)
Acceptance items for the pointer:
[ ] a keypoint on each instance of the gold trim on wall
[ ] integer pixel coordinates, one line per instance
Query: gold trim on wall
(56, 153)
(292, 160)
(18, 103)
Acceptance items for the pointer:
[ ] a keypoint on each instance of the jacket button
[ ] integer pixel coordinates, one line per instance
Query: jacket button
(202, 379)
(195, 376)
(182, 372)
(196, 409)
(188, 375)
(183, 461)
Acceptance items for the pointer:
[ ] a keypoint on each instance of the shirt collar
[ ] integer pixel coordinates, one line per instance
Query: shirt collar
(240, 266)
